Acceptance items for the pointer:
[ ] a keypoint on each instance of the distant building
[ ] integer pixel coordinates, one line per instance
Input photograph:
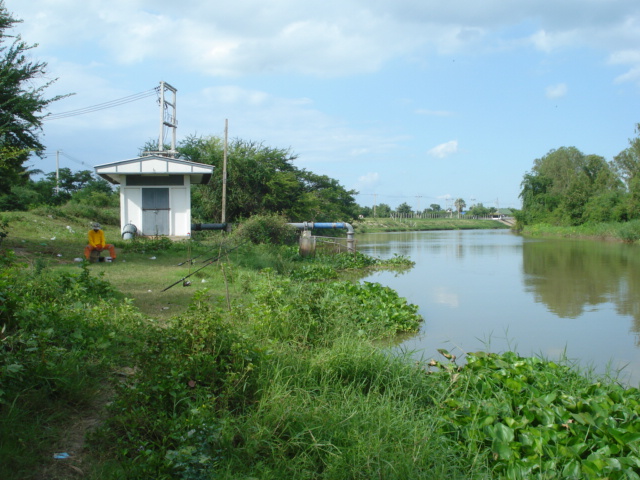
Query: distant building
(155, 192)
(501, 213)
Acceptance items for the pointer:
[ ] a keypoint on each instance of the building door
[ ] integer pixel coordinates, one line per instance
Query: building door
(155, 211)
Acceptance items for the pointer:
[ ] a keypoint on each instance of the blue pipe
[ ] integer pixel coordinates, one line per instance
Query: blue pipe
(312, 225)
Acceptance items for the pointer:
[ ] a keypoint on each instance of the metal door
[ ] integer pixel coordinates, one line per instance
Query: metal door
(155, 211)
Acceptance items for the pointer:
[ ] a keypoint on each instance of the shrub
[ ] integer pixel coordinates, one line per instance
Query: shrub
(149, 245)
(272, 229)
(629, 231)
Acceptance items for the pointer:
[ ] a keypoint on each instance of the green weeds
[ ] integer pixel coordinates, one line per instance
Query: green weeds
(281, 376)
(189, 374)
(312, 314)
(61, 333)
(628, 232)
(538, 419)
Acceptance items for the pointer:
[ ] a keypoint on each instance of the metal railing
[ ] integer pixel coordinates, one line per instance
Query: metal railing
(333, 244)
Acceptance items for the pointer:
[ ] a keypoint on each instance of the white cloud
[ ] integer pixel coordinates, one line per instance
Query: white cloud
(629, 58)
(556, 91)
(367, 181)
(444, 149)
(330, 38)
(632, 75)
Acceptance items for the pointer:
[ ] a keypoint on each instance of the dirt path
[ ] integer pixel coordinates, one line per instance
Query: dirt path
(71, 446)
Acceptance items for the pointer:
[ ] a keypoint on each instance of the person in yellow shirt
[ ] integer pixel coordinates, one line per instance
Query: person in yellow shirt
(97, 242)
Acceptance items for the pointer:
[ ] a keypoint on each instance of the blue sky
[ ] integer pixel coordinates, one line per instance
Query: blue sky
(415, 101)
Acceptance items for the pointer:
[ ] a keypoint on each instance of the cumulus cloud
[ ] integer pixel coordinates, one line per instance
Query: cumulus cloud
(556, 91)
(330, 38)
(630, 58)
(444, 149)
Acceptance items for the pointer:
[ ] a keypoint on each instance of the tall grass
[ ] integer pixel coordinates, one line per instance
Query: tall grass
(372, 225)
(348, 412)
(622, 231)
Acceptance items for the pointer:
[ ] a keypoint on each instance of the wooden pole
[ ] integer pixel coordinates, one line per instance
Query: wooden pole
(224, 173)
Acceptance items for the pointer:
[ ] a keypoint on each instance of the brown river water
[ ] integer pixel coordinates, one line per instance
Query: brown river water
(496, 291)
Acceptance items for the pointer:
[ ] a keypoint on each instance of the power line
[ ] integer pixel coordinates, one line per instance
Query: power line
(73, 159)
(103, 106)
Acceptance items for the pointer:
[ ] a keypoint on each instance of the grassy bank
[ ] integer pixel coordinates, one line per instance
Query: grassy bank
(373, 225)
(271, 368)
(624, 232)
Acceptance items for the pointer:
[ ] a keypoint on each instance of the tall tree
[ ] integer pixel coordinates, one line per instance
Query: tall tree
(383, 211)
(21, 104)
(460, 205)
(627, 162)
(567, 187)
(404, 209)
(262, 179)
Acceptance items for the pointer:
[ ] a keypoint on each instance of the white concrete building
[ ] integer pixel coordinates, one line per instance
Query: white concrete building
(155, 192)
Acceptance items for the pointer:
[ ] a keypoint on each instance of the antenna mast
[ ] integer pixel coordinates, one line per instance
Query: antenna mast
(168, 119)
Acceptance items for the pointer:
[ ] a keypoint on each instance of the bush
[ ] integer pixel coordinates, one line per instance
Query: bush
(272, 229)
(630, 231)
(149, 245)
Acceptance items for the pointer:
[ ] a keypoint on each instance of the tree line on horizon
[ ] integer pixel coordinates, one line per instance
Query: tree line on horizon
(566, 187)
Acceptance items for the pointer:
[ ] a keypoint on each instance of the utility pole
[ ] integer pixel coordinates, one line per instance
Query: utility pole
(224, 173)
(168, 117)
(57, 172)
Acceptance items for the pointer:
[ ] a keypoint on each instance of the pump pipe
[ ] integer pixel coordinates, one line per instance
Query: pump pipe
(320, 225)
(196, 227)
(301, 226)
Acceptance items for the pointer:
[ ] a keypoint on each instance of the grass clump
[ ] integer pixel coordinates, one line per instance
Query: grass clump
(312, 314)
(349, 411)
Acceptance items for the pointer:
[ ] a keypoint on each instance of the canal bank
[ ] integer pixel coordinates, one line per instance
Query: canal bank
(373, 225)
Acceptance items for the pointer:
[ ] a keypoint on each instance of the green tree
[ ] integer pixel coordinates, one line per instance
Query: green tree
(71, 182)
(627, 165)
(262, 180)
(404, 209)
(460, 205)
(22, 104)
(434, 207)
(478, 210)
(383, 210)
(567, 187)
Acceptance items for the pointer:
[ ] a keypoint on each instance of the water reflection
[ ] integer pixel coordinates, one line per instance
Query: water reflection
(494, 290)
(572, 277)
